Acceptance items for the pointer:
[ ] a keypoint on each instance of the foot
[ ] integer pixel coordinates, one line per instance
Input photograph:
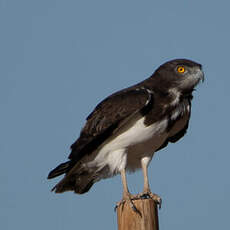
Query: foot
(128, 198)
(148, 194)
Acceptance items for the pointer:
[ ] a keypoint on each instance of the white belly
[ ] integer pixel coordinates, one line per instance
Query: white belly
(127, 149)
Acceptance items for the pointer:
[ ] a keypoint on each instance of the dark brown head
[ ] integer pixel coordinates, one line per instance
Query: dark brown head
(181, 75)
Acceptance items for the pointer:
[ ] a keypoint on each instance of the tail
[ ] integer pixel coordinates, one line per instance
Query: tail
(78, 178)
(59, 170)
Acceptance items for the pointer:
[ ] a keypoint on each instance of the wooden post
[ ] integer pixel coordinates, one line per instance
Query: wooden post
(127, 219)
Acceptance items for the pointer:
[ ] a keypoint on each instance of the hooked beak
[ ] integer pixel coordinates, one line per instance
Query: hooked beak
(201, 75)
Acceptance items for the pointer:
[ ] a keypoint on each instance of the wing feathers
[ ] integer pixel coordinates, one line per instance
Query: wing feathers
(107, 116)
(60, 169)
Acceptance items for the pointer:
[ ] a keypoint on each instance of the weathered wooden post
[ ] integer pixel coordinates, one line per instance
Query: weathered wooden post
(147, 219)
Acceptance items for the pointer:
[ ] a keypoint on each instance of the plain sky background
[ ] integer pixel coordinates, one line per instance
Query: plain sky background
(58, 59)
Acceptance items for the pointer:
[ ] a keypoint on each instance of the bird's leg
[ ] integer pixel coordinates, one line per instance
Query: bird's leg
(127, 197)
(126, 192)
(146, 191)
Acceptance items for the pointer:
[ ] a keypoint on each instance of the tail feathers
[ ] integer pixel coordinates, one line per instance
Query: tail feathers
(59, 170)
(64, 186)
(78, 180)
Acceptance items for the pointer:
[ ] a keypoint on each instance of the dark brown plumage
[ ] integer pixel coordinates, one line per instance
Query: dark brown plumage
(163, 101)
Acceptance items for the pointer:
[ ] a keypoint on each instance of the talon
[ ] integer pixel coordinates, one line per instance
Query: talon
(144, 196)
(159, 202)
(154, 197)
(118, 204)
(128, 199)
(134, 208)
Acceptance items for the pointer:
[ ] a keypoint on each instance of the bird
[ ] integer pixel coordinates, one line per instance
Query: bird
(127, 128)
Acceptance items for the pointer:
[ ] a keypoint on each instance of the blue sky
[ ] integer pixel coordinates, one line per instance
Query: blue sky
(60, 58)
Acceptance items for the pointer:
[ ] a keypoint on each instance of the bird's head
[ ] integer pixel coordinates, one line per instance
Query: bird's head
(180, 74)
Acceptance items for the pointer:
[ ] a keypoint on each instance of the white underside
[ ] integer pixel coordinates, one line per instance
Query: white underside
(128, 148)
(135, 145)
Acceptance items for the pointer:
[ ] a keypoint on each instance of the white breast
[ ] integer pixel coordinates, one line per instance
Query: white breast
(126, 149)
(138, 133)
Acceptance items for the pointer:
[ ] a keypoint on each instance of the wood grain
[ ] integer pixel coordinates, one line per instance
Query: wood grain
(127, 219)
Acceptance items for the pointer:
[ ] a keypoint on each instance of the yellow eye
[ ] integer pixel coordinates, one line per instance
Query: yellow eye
(180, 69)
